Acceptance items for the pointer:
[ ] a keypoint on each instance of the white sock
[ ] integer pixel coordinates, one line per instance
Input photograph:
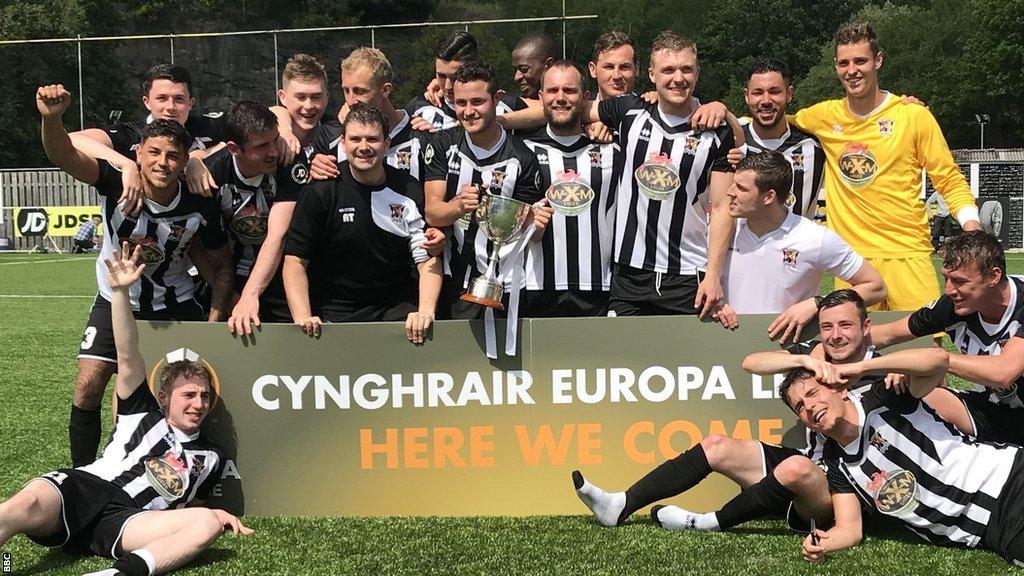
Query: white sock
(606, 506)
(676, 518)
(148, 558)
(107, 572)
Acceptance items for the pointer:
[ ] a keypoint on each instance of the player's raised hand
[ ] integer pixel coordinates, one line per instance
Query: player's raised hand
(708, 116)
(52, 100)
(197, 176)
(124, 270)
(434, 243)
(323, 167)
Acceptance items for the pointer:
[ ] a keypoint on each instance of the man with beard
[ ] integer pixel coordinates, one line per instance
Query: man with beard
(767, 94)
(256, 198)
(353, 240)
(530, 58)
(775, 479)
(476, 157)
(169, 222)
(672, 222)
(568, 272)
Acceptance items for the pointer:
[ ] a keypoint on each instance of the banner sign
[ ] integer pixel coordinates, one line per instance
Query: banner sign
(53, 220)
(362, 423)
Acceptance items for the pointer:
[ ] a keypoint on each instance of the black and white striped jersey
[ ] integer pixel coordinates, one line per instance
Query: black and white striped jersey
(973, 335)
(404, 153)
(206, 131)
(444, 117)
(165, 234)
(909, 463)
(156, 464)
(361, 241)
(664, 229)
(808, 159)
(509, 169)
(576, 250)
(245, 203)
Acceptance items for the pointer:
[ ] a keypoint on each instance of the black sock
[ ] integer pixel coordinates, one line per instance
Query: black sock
(672, 477)
(766, 497)
(132, 565)
(84, 432)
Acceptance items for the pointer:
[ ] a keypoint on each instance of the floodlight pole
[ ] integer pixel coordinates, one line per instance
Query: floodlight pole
(982, 119)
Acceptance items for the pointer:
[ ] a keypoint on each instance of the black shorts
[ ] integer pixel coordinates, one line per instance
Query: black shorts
(638, 292)
(564, 303)
(388, 310)
(993, 422)
(1004, 533)
(98, 337)
(93, 513)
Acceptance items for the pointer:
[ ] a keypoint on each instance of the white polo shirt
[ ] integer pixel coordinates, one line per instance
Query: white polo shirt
(767, 274)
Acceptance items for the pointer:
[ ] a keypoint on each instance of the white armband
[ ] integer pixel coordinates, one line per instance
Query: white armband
(967, 214)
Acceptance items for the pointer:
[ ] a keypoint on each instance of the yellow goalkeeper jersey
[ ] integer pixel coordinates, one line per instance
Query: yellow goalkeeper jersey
(873, 181)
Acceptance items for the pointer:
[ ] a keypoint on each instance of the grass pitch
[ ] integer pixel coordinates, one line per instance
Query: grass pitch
(44, 301)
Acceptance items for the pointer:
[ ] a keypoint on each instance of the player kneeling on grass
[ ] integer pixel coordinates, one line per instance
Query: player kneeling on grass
(892, 452)
(139, 502)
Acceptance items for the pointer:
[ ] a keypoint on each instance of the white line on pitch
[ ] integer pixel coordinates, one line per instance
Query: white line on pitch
(47, 295)
(45, 261)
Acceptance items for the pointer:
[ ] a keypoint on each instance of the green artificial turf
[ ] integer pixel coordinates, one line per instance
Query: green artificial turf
(38, 340)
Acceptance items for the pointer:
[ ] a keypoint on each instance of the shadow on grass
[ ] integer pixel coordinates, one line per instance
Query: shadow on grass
(212, 556)
(50, 561)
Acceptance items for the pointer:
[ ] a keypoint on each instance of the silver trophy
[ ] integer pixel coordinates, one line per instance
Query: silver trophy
(503, 220)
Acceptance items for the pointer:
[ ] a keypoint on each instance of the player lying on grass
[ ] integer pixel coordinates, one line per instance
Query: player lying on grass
(776, 480)
(892, 452)
(139, 503)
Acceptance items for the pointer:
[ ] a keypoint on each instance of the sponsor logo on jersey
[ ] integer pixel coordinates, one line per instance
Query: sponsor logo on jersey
(403, 160)
(569, 194)
(857, 165)
(658, 178)
(300, 174)
(542, 158)
(885, 127)
(167, 475)
(250, 224)
(645, 134)
(895, 493)
(789, 255)
(150, 250)
(348, 214)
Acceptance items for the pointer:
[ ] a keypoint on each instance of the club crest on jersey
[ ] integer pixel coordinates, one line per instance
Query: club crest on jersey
(300, 174)
(497, 178)
(198, 466)
(789, 256)
(657, 178)
(250, 224)
(798, 161)
(151, 253)
(857, 165)
(167, 475)
(885, 127)
(569, 194)
(397, 212)
(403, 160)
(596, 156)
(176, 231)
(837, 128)
(895, 493)
(428, 154)
(691, 145)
